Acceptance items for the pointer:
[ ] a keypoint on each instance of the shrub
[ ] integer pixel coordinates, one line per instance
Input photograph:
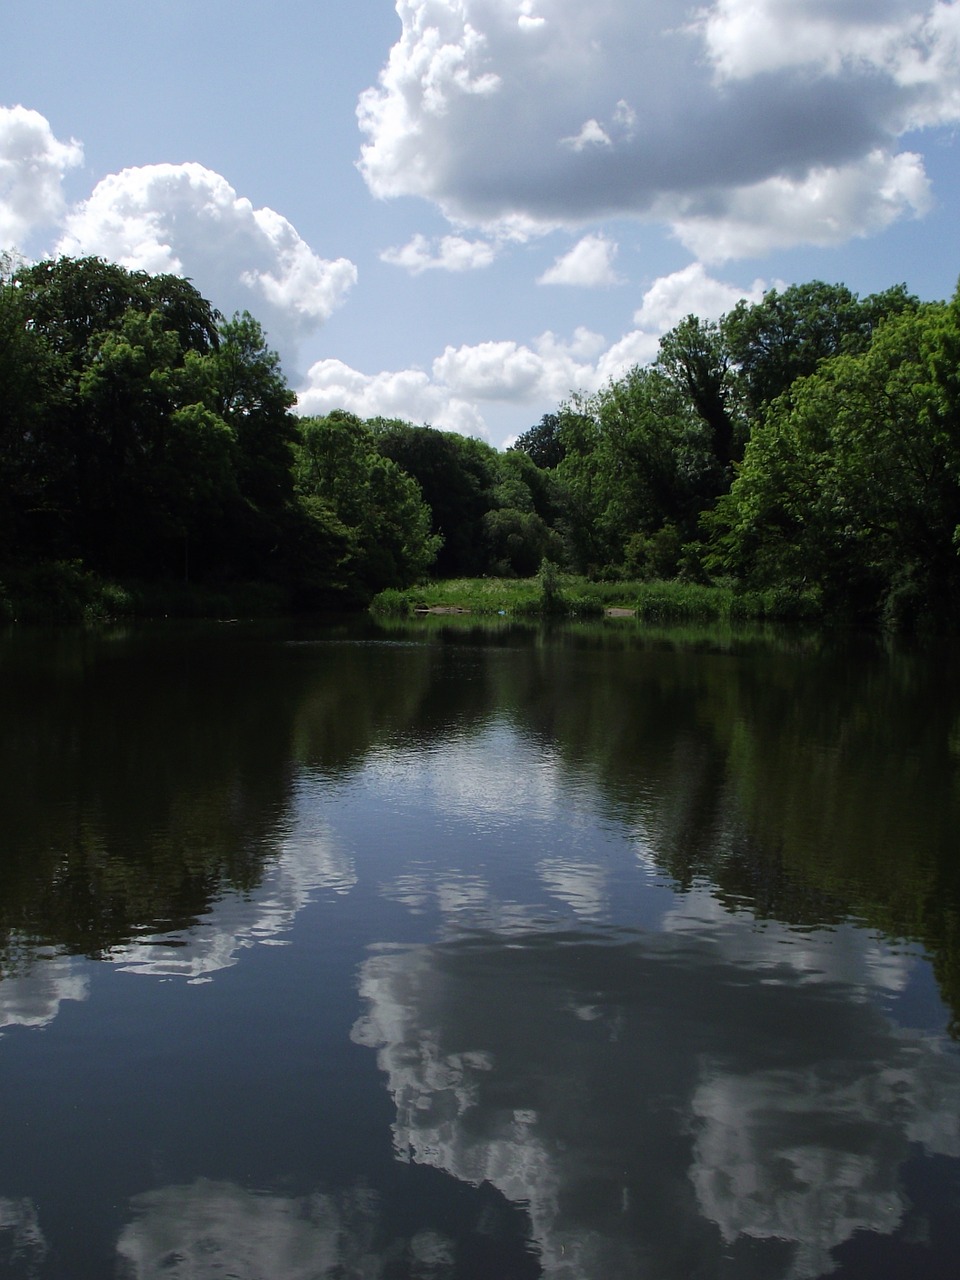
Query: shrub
(392, 603)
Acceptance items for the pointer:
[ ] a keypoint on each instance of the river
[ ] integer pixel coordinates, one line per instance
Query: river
(344, 949)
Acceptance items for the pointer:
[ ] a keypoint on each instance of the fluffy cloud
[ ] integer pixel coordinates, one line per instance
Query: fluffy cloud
(406, 393)
(188, 220)
(691, 291)
(913, 42)
(588, 264)
(824, 207)
(556, 114)
(544, 373)
(32, 166)
(452, 253)
(498, 372)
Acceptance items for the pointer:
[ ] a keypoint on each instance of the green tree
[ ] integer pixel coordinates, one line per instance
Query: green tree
(248, 390)
(695, 357)
(543, 444)
(32, 380)
(70, 300)
(167, 445)
(789, 333)
(851, 484)
(387, 540)
(638, 457)
(457, 476)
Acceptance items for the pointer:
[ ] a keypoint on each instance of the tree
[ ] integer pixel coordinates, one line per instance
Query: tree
(387, 540)
(69, 300)
(246, 387)
(851, 484)
(638, 458)
(168, 437)
(457, 476)
(788, 334)
(543, 444)
(694, 356)
(32, 380)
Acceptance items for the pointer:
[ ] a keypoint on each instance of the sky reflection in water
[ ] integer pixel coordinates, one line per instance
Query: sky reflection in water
(624, 1078)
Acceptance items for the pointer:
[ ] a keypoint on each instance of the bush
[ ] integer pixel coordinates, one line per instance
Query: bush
(392, 603)
(548, 583)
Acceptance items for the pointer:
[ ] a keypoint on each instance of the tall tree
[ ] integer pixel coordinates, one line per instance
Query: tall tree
(788, 333)
(457, 476)
(695, 357)
(851, 485)
(543, 444)
(638, 458)
(385, 522)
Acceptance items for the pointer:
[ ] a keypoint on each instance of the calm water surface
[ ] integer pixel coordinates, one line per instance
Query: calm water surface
(348, 951)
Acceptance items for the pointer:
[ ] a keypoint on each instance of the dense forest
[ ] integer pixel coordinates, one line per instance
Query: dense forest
(808, 444)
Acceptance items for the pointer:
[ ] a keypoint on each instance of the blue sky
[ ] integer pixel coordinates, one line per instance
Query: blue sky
(461, 211)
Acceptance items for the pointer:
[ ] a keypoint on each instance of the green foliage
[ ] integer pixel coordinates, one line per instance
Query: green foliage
(638, 458)
(494, 512)
(148, 438)
(807, 447)
(542, 444)
(548, 584)
(385, 522)
(71, 300)
(852, 483)
(788, 334)
(391, 603)
(695, 358)
(457, 477)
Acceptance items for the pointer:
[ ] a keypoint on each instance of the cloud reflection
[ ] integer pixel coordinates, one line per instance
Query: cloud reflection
(308, 864)
(33, 998)
(654, 1103)
(22, 1244)
(582, 886)
(213, 1229)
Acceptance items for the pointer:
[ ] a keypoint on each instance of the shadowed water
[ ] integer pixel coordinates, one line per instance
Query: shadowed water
(350, 950)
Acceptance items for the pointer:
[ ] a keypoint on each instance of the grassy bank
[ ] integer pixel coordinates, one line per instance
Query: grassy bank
(568, 596)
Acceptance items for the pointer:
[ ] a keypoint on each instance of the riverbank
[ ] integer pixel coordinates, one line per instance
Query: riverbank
(63, 591)
(569, 596)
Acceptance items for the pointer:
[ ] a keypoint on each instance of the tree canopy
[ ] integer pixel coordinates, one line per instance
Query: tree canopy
(809, 442)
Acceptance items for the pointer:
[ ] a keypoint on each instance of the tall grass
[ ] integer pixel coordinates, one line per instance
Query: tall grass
(549, 594)
(563, 595)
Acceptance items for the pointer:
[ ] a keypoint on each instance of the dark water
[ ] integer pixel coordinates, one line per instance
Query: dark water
(362, 952)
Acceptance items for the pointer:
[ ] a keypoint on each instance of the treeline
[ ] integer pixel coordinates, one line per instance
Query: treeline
(145, 438)
(807, 445)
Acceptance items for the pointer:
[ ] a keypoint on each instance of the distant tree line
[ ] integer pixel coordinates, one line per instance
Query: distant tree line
(808, 443)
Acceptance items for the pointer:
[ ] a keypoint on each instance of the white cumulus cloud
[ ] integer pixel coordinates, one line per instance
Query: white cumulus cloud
(186, 219)
(32, 167)
(823, 207)
(540, 374)
(406, 393)
(451, 253)
(725, 117)
(691, 291)
(914, 42)
(588, 264)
